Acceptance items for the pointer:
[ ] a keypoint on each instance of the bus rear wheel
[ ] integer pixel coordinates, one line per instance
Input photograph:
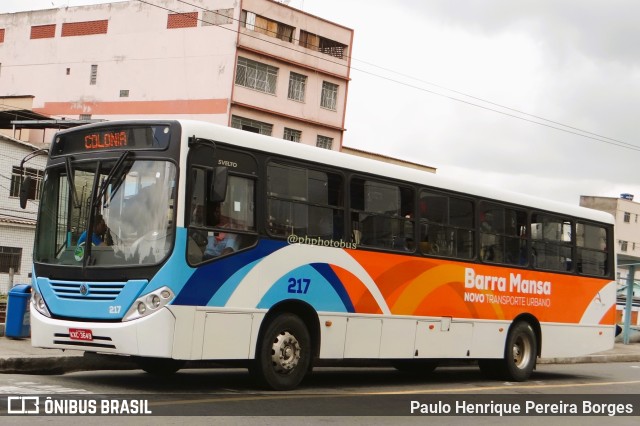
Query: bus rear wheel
(521, 352)
(284, 353)
(520, 355)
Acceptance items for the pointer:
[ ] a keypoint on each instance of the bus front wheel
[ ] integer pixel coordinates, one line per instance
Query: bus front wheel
(284, 353)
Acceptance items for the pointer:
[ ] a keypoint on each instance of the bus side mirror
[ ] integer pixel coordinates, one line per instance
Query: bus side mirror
(25, 190)
(219, 185)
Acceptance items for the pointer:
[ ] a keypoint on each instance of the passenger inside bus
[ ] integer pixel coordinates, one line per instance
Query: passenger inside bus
(100, 235)
(220, 243)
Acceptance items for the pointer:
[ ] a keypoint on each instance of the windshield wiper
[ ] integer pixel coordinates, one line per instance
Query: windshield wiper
(116, 169)
(72, 186)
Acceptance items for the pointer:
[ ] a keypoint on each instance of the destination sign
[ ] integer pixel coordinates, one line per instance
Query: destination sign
(112, 139)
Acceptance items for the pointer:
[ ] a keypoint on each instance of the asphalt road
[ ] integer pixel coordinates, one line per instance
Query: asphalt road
(358, 396)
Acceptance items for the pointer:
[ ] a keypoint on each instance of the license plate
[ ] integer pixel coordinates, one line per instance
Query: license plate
(80, 334)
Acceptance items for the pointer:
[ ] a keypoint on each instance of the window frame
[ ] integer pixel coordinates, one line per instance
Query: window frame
(14, 256)
(338, 209)
(256, 75)
(297, 87)
(329, 96)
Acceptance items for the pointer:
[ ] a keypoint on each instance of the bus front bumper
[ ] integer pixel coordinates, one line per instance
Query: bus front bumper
(148, 336)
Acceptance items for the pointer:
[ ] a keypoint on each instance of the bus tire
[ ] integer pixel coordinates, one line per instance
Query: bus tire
(284, 353)
(520, 352)
(159, 366)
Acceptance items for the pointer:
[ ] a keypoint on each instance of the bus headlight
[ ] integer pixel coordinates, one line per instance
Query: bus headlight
(39, 304)
(149, 303)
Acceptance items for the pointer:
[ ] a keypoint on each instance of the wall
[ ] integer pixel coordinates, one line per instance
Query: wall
(17, 226)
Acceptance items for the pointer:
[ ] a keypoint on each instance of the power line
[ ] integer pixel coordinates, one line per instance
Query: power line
(552, 124)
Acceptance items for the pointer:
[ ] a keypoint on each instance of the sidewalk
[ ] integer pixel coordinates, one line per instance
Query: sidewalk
(18, 356)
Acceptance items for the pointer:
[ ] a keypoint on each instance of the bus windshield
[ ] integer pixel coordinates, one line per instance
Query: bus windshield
(124, 207)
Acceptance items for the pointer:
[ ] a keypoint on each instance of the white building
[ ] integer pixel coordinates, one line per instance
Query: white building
(17, 225)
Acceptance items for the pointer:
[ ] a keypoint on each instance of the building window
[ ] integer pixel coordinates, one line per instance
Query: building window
(324, 142)
(292, 135)
(266, 26)
(85, 117)
(182, 20)
(249, 125)
(93, 78)
(329, 95)
(71, 29)
(623, 245)
(321, 44)
(43, 31)
(256, 75)
(627, 217)
(124, 93)
(1, 35)
(297, 85)
(10, 259)
(217, 17)
(16, 180)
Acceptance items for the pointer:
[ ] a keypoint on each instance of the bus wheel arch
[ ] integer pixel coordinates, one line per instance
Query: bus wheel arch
(287, 343)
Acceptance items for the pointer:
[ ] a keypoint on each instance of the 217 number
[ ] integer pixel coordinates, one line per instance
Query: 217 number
(300, 286)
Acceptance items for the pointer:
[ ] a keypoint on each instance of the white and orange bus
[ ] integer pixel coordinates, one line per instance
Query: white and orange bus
(211, 243)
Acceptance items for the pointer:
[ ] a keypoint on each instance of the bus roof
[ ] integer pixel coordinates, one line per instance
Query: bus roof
(282, 147)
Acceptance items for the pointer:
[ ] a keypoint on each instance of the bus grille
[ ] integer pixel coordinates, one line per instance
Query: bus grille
(86, 291)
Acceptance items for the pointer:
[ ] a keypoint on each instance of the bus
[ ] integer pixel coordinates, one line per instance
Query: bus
(174, 240)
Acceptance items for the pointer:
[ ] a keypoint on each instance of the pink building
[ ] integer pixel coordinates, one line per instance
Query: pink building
(258, 65)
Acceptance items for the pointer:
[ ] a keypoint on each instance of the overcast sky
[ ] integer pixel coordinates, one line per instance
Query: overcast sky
(573, 62)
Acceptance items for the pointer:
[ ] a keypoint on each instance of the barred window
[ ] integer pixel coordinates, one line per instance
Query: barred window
(292, 135)
(93, 77)
(297, 86)
(324, 142)
(16, 181)
(321, 44)
(10, 258)
(256, 75)
(329, 95)
(249, 125)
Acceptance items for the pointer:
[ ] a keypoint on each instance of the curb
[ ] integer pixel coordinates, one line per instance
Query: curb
(592, 359)
(46, 365)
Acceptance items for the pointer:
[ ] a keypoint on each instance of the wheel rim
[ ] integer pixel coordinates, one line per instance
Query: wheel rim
(285, 353)
(521, 351)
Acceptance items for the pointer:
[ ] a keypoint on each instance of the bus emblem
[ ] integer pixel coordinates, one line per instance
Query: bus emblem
(84, 289)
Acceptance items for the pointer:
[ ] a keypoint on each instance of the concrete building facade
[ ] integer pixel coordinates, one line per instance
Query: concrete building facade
(258, 65)
(17, 226)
